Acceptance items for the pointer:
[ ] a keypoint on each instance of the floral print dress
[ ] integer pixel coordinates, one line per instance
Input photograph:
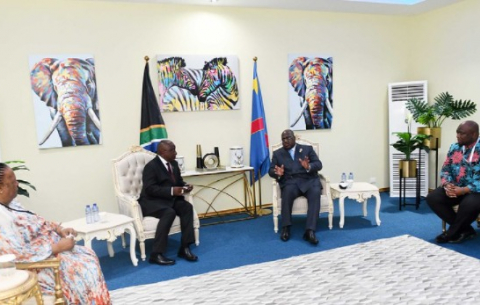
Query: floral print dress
(30, 237)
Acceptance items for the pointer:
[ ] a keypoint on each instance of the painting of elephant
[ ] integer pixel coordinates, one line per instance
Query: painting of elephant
(196, 83)
(68, 88)
(311, 97)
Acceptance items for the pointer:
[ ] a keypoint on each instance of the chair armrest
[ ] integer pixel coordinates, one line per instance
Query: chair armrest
(325, 184)
(53, 263)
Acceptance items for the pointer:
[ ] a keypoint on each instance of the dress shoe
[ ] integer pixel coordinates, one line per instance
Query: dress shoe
(161, 260)
(310, 237)
(463, 237)
(184, 252)
(285, 235)
(442, 238)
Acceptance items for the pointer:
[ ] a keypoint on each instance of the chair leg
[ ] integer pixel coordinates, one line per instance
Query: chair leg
(59, 300)
(444, 226)
(197, 236)
(275, 223)
(142, 250)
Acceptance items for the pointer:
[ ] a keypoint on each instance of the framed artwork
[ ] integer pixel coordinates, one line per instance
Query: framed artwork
(197, 82)
(65, 100)
(310, 92)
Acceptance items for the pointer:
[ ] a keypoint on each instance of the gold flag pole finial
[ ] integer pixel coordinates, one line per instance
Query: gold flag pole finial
(255, 58)
(146, 58)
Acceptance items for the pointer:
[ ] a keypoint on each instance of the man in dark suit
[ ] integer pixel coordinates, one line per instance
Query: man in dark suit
(295, 167)
(162, 197)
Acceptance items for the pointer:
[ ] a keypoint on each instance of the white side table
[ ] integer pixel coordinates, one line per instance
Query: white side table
(114, 225)
(360, 191)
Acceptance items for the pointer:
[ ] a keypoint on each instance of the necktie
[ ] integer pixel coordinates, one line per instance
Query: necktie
(292, 153)
(169, 167)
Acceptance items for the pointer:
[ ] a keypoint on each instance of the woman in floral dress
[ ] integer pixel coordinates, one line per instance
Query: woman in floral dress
(32, 238)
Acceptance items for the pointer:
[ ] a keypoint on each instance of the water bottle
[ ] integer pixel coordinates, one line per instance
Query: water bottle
(350, 180)
(88, 214)
(95, 213)
(344, 177)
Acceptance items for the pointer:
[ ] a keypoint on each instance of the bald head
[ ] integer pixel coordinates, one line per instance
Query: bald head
(467, 133)
(166, 150)
(288, 139)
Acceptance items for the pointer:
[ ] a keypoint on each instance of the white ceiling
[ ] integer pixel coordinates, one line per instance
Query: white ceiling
(317, 5)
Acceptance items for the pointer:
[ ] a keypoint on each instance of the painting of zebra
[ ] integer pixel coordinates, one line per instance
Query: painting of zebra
(201, 85)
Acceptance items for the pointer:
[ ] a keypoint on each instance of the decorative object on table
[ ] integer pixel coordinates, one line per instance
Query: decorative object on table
(197, 82)
(152, 125)
(311, 92)
(210, 161)
(406, 144)
(433, 115)
(67, 113)
(199, 157)
(21, 190)
(343, 182)
(181, 163)
(217, 153)
(236, 156)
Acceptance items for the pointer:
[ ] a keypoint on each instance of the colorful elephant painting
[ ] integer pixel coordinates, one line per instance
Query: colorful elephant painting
(68, 88)
(311, 79)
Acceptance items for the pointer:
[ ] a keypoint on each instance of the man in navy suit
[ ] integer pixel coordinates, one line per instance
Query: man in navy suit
(162, 197)
(296, 167)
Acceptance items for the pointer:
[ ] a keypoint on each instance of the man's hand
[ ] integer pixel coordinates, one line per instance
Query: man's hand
(279, 170)
(187, 188)
(305, 162)
(178, 191)
(450, 190)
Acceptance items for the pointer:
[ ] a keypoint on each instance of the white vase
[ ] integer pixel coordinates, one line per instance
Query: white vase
(236, 156)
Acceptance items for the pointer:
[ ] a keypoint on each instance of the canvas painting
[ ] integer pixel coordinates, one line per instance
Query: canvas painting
(65, 100)
(310, 92)
(197, 82)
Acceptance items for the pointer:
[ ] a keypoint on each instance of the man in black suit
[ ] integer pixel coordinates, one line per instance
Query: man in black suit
(162, 198)
(295, 167)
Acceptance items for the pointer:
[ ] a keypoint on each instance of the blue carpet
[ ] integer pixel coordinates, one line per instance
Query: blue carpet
(235, 244)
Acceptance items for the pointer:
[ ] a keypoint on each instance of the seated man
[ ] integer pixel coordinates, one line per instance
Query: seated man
(295, 167)
(162, 197)
(460, 186)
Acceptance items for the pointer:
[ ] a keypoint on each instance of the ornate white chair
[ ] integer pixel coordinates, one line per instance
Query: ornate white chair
(127, 176)
(300, 205)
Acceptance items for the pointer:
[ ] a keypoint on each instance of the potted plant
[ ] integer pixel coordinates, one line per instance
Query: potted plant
(432, 116)
(406, 144)
(21, 190)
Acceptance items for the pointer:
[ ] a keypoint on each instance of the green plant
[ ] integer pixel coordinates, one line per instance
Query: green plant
(407, 142)
(444, 107)
(21, 166)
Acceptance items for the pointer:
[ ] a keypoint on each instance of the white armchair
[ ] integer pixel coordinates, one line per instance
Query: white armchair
(300, 205)
(127, 175)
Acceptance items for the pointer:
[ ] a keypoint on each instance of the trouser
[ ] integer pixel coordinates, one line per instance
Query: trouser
(460, 222)
(167, 215)
(289, 193)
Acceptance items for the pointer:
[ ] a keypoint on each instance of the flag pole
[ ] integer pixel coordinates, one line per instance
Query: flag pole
(260, 210)
(146, 58)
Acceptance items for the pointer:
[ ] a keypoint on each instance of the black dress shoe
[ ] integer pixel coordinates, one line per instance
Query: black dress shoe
(159, 259)
(184, 252)
(285, 235)
(463, 237)
(442, 238)
(310, 237)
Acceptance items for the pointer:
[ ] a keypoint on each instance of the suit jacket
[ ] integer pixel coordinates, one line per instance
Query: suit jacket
(157, 186)
(294, 173)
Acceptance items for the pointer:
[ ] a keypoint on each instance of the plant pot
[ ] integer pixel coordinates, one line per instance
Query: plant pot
(435, 132)
(408, 167)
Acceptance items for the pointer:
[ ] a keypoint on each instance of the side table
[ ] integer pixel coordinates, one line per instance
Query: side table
(114, 225)
(20, 286)
(360, 191)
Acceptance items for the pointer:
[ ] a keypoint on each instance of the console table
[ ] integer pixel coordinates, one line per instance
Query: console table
(108, 229)
(212, 184)
(360, 191)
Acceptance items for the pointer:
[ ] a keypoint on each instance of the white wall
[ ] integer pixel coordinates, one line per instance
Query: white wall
(369, 51)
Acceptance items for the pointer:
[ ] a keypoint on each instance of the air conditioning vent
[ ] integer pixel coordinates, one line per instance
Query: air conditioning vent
(398, 95)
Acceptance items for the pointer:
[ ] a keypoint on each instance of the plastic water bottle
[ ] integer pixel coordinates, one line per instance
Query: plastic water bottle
(344, 177)
(95, 213)
(350, 176)
(88, 214)
(350, 180)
